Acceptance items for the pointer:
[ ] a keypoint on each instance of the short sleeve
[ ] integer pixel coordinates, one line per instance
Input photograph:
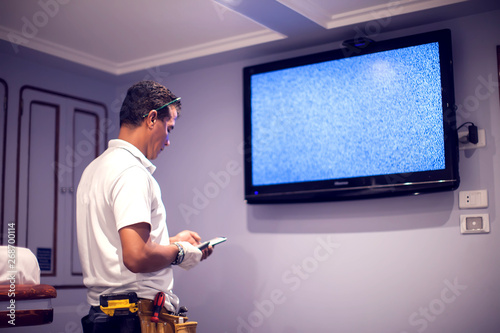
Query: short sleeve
(131, 197)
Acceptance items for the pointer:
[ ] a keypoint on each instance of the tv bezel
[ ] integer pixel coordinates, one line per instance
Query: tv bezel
(369, 186)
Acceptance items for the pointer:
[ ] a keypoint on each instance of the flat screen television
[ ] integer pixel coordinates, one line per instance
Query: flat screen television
(376, 118)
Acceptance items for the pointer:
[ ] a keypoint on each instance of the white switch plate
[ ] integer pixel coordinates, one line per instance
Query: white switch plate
(462, 136)
(473, 199)
(475, 224)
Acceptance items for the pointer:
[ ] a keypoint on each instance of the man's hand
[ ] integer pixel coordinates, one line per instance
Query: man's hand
(194, 239)
(186, 236)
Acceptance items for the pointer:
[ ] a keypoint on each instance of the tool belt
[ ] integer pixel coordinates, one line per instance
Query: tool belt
(127, 307)
(168, 323)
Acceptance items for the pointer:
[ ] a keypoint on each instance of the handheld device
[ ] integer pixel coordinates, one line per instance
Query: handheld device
(213, 242)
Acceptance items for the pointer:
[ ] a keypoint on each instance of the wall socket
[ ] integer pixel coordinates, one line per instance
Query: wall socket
(463, 144)
(473, 199)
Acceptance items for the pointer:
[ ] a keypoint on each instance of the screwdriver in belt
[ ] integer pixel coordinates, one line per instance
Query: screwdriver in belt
(158, 303)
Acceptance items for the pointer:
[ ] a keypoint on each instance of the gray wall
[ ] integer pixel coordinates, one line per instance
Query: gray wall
(381, 265)
(384, 265)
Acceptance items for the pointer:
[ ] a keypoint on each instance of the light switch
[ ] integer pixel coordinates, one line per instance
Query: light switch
(475, 224)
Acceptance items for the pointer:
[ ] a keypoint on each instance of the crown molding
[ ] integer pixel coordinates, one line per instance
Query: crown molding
(322, 17)
(16, 39)
(200, 50)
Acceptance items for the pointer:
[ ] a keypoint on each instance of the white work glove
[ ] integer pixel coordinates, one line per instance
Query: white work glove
(192, 256)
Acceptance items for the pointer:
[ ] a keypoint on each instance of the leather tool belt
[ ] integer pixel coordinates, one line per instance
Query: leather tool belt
(126, 312)
(168, 323)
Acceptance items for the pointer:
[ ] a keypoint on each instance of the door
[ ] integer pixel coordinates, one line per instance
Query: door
(58, 137)
(3, 140)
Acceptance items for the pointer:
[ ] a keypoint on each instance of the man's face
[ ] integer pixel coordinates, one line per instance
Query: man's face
(159, 137)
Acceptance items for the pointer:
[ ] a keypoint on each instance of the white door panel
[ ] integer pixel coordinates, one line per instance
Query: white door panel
(3, 123)
(58, 136)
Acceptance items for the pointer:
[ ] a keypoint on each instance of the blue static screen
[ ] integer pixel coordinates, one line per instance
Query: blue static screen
(375, 114)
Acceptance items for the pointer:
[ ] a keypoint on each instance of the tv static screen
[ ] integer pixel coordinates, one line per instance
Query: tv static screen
(373, 114)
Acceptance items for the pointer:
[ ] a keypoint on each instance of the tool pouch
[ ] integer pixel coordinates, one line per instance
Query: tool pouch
(167, 323)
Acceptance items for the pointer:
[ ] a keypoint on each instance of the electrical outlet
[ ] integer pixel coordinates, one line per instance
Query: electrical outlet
(463, 144)
(473, 199)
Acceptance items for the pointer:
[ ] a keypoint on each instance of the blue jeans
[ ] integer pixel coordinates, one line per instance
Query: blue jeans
(99, 322)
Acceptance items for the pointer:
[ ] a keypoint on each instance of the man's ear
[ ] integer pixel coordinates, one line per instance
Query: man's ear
(152, 117)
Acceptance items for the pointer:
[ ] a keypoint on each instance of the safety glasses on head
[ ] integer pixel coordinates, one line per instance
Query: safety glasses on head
(161, 107)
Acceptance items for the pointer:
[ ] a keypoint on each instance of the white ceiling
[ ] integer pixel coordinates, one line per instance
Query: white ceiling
(125, 36)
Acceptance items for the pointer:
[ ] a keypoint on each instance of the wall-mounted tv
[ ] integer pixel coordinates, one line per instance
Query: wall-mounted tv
(376, 118)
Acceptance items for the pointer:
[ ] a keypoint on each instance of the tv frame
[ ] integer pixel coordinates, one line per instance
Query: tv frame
(370, 186)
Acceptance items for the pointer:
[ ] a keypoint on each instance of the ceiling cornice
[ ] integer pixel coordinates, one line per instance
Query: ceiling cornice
(329, 19)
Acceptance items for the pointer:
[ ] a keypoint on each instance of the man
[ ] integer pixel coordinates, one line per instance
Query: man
(123, 239)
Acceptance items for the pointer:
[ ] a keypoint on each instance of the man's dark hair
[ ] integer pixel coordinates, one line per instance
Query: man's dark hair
(143, 97)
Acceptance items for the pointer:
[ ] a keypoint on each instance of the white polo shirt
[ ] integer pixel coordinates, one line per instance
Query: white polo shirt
(117, 190)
